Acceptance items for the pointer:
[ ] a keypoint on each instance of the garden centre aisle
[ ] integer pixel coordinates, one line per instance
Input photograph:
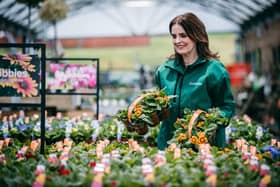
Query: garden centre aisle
(79, 107)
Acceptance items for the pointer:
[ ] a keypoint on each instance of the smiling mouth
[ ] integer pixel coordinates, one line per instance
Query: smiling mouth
(180, 47)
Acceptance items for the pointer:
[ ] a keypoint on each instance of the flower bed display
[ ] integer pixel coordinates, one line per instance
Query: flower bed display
(57, 128)
(252, 159)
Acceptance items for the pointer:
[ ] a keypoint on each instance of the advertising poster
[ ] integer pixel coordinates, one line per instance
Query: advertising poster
(71, 76)
(19, 75)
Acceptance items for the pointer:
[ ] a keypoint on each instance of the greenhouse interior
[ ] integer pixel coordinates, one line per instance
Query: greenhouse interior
(139, 93)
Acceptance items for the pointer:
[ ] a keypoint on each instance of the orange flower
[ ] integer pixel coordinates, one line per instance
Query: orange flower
(259, 156)
(138, 107)
(138, 113)
(202, 140)
(268, 154)
(201, 134)
(200, 124)
(207, 115)
(227, 150)
(166, 98)
(194, 140)
(184, 125)
(27, 66)
(26, 86)
(181, 137)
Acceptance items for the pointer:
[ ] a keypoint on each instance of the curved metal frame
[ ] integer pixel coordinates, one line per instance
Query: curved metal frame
(240, 12)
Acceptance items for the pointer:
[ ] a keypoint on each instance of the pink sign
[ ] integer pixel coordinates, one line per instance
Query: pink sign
(71, 76)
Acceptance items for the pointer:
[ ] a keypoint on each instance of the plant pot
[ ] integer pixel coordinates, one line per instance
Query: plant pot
(142, 130)
(130, 128)
(155, 119)
(164, 114)
(125, 122)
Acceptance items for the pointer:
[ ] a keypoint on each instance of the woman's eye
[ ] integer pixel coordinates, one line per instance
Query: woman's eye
(173, 36)
(183, 35)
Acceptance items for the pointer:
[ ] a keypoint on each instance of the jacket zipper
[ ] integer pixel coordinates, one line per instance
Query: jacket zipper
(180, 92)
(175, 90)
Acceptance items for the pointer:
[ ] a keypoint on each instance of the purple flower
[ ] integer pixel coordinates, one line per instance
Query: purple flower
(274, 152)
(22, 128)
(61, 125)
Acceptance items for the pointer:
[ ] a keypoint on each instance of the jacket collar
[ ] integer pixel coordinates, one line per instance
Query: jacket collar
(176, 65)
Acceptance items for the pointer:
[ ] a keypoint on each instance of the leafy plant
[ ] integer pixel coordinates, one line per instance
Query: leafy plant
(197, 127)
(146, 110)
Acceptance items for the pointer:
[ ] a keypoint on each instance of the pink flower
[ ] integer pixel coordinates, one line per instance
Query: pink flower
(54, 67)
(91, 83)
(226, 174)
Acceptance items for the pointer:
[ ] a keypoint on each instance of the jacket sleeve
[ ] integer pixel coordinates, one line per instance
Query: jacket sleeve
(221, 94)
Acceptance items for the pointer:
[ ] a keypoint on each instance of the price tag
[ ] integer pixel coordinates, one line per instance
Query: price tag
(115, 154)
(120, 130)
(146, 169)
(99, 168)
(5, 129)
(95, 124)
(68, 129)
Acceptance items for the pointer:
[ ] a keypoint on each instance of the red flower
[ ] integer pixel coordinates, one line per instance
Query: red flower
(30, 155)
(20, 155)
(113, 183)
(92, 164)
(38, 172)
(64, 172)
(226, 174)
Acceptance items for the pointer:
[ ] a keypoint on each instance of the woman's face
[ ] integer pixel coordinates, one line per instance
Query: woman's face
(183, 45)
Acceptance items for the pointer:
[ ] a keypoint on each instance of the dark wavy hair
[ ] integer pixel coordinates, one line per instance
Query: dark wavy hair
(195, 29)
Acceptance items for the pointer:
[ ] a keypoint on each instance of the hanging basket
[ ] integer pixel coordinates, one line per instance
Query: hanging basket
(197, 127)
(134, 103)
(153, 119)
(204, 136)
(148, 109)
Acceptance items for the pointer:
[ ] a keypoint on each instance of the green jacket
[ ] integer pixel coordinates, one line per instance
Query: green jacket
(204, 84)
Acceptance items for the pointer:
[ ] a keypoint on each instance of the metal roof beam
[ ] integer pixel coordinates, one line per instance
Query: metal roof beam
(219, 9)
(268, 12)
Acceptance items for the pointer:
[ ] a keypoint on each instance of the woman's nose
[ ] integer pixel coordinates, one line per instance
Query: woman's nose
(177, 39)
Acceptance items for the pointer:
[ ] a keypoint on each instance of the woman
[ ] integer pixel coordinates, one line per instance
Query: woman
(195, 75)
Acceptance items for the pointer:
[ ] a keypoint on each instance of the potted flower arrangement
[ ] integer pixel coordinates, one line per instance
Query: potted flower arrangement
(197, 127)
(145, 111)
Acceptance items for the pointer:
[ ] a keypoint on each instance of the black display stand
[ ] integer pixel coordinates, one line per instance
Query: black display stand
(58, 60)
(42, 92)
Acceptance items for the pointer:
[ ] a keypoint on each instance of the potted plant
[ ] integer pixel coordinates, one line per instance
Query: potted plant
(145, 111)
(197, 127)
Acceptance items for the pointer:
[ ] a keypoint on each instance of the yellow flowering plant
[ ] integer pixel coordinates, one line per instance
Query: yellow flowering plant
(197, 127)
